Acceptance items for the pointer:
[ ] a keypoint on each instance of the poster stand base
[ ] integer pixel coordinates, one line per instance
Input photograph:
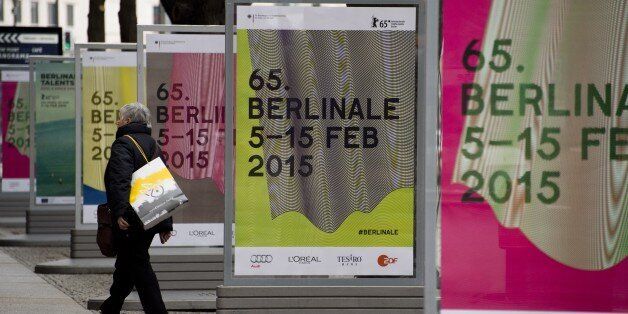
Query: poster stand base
(12, 222)
(13, 207)
(77, 266)
(175, 300)
(44, 227)
(48, 240)
(85, 257)
(188, 276)
(50, 221)
(319, 299)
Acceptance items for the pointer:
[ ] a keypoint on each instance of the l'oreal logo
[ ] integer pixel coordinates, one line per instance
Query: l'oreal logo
(201, 233)
(304, 259)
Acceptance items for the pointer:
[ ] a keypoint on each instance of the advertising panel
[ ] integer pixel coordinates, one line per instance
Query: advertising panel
(17, 43)
(534, 156)
(109, 82)
(325, 141)
(15, 131)
(54, 132)
(185, 87)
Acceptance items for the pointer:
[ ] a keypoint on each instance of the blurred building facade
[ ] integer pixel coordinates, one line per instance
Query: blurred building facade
(71, 16)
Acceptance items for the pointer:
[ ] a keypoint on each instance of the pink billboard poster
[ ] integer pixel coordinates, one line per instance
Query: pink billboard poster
(203, 126)
(15, 140)
(534, 156)
(186, 94)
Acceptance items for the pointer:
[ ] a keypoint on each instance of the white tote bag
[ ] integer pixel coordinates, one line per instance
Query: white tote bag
(154, 193)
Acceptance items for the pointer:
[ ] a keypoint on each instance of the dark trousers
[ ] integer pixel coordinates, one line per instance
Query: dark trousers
(133, 269)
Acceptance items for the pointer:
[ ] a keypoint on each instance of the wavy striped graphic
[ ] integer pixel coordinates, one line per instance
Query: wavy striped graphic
(337, 64)
(194, 125)
(587, 227)
(203, 79)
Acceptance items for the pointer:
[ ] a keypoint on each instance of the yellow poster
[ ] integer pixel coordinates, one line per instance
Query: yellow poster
(109, 81)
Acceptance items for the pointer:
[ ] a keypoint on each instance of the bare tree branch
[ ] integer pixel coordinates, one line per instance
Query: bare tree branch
(195, 12)
(127, 18)
(96, 21)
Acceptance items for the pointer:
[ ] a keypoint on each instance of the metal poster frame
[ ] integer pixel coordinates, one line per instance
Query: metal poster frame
(78, 76)
(141, 58)
(11, 67)
(426, 188)
(32, 60)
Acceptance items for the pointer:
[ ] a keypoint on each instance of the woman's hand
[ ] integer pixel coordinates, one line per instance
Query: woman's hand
(164, 236)
(123, 224)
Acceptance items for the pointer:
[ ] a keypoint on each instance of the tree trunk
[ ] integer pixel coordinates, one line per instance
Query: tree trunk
(195, 12)
(96, 21)
(128, 21)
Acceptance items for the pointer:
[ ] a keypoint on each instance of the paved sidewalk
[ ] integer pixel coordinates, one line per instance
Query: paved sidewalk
(22, 291)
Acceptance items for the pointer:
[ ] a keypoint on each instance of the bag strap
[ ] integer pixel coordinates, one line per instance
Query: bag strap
(138, 147)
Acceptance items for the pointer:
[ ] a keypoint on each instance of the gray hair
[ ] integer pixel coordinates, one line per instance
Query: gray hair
(136, 112)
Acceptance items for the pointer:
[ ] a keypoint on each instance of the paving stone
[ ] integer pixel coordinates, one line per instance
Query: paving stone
(22, 291)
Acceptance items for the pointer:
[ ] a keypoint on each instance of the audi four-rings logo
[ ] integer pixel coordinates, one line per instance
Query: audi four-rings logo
(261, 259)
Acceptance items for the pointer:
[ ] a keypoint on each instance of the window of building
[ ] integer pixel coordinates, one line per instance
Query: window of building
(1, 10)
(17, 11)
(158, 15)
(52, 13)
(70, 15)
(34, 12)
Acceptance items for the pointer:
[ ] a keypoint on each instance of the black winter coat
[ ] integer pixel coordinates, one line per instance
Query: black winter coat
(126, 159)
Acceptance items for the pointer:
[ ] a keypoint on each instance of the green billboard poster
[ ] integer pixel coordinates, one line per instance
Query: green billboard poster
(54, 133)
(325, 141)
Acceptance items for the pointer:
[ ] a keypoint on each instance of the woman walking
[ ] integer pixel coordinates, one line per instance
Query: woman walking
(132, 242)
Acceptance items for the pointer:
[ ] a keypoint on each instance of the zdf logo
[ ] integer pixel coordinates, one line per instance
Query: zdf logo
(384, 260)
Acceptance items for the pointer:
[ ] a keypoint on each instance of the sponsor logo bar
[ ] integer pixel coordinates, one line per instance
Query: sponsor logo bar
(195, 234)
(380, 261)
(109, 58)
(183, 43)
(326, 18)
(14, 76)
(51, 200)
(15, 185)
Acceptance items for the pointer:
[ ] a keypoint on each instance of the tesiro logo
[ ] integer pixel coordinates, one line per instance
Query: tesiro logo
(349, 260)
(384, 260)
(304, 259)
